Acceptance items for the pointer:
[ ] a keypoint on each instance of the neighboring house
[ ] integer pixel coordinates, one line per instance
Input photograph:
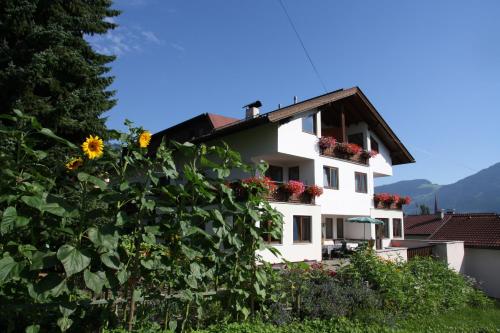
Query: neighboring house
(422, 226)
(481, 235)
(287, 139)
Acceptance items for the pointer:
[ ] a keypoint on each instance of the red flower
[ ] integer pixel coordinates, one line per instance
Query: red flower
(327, 142)
(264, 182)
(385, 198)
(294, 187)
(314, 190)
(354, 149)
(395, 198)
(405, 200)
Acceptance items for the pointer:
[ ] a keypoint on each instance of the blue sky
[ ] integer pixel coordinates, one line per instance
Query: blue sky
(431, 68)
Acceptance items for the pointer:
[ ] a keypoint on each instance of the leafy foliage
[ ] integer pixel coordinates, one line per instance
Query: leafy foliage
(126, 229)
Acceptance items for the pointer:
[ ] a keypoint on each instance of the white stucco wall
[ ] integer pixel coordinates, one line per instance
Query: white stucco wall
(297, 251)
(292, 141)
(345, 200)
(484, 266)
(451, 252)
(381, 164)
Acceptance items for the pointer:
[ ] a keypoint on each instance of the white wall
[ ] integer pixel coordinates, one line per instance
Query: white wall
(451, 252)
(345, 200)
(291, 140)
(484, 266)
(297, 251)
(382, 163)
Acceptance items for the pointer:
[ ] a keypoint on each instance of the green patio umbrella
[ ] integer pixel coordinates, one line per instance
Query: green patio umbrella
(366, 220)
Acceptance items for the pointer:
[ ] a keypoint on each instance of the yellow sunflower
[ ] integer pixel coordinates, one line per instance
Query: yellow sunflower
(74, 163)
(144, 139)
(93, 147)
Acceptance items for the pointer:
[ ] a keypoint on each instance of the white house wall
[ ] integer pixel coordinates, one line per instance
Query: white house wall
(297, 251)
(345, 200)
(382, 163)
(484, 266)
(292, 141)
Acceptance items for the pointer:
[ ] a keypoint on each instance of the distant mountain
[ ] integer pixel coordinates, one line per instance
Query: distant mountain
(477, 193)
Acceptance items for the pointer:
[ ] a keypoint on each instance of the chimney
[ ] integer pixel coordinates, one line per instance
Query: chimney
(295, 99)
(442, 214)
(252, 110)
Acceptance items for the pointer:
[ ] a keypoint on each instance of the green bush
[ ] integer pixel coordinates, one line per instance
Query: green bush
(116, 234)
(419, 286)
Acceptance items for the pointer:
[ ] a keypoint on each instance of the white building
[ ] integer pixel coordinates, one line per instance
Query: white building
(287, 139)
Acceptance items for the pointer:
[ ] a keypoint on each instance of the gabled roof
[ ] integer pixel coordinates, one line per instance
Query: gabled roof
(477, 230)
(353, 97)
(219, 121)
(423, 225)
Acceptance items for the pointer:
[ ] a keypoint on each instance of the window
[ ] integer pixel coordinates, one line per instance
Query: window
(328, 228)
(293, 173)
(360, 182)
(309, 124)
(397, 228)
(301, 229)
(266, 235)
(382, 231)
(340, 228)
(374, 144)
(331, 178)
(357, 139)
(275, 173)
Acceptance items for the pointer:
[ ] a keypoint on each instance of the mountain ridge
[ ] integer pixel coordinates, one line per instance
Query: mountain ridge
(479, 192)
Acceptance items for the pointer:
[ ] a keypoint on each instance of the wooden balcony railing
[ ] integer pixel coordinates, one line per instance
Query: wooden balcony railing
(279, 195)
(361, 158)
(422, 251)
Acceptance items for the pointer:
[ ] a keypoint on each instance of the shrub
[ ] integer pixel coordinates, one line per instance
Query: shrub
(419, 286)
(121, 222)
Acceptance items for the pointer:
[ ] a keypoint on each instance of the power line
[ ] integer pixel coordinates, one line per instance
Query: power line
(303, 46)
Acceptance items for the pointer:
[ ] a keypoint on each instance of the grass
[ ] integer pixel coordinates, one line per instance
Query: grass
(467, 319)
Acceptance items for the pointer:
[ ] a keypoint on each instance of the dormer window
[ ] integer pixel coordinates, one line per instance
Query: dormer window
(309, 124)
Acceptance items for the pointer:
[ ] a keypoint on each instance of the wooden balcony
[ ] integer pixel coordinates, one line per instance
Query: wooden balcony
(279, 195)
(361, 158)
(422, 251)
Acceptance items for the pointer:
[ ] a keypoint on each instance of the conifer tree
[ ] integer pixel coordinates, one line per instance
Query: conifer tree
(49, 70)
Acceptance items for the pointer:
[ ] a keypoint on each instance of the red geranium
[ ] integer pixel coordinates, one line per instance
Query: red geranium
(315, 190)
(294, 187)
(396, 198)
(353, 149)
(327, 142)
(264, 182)
(405, 200)
(385, 198)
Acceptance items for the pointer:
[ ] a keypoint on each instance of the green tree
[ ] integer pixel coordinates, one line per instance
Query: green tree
(424, 210)
(49, 70)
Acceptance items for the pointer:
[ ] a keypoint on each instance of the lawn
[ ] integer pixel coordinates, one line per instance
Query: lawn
(467, 320)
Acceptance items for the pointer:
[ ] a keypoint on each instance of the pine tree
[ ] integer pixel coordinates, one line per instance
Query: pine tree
(49, 70)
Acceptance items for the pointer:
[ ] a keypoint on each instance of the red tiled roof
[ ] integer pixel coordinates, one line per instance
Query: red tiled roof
(220, 121)
(480, 230)
(422, 224)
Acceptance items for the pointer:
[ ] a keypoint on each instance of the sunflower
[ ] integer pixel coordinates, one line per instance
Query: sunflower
(144, 139)
(74, 163)
(93, 147)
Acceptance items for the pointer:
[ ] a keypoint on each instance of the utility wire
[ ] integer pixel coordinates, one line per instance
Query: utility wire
(303, 46)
